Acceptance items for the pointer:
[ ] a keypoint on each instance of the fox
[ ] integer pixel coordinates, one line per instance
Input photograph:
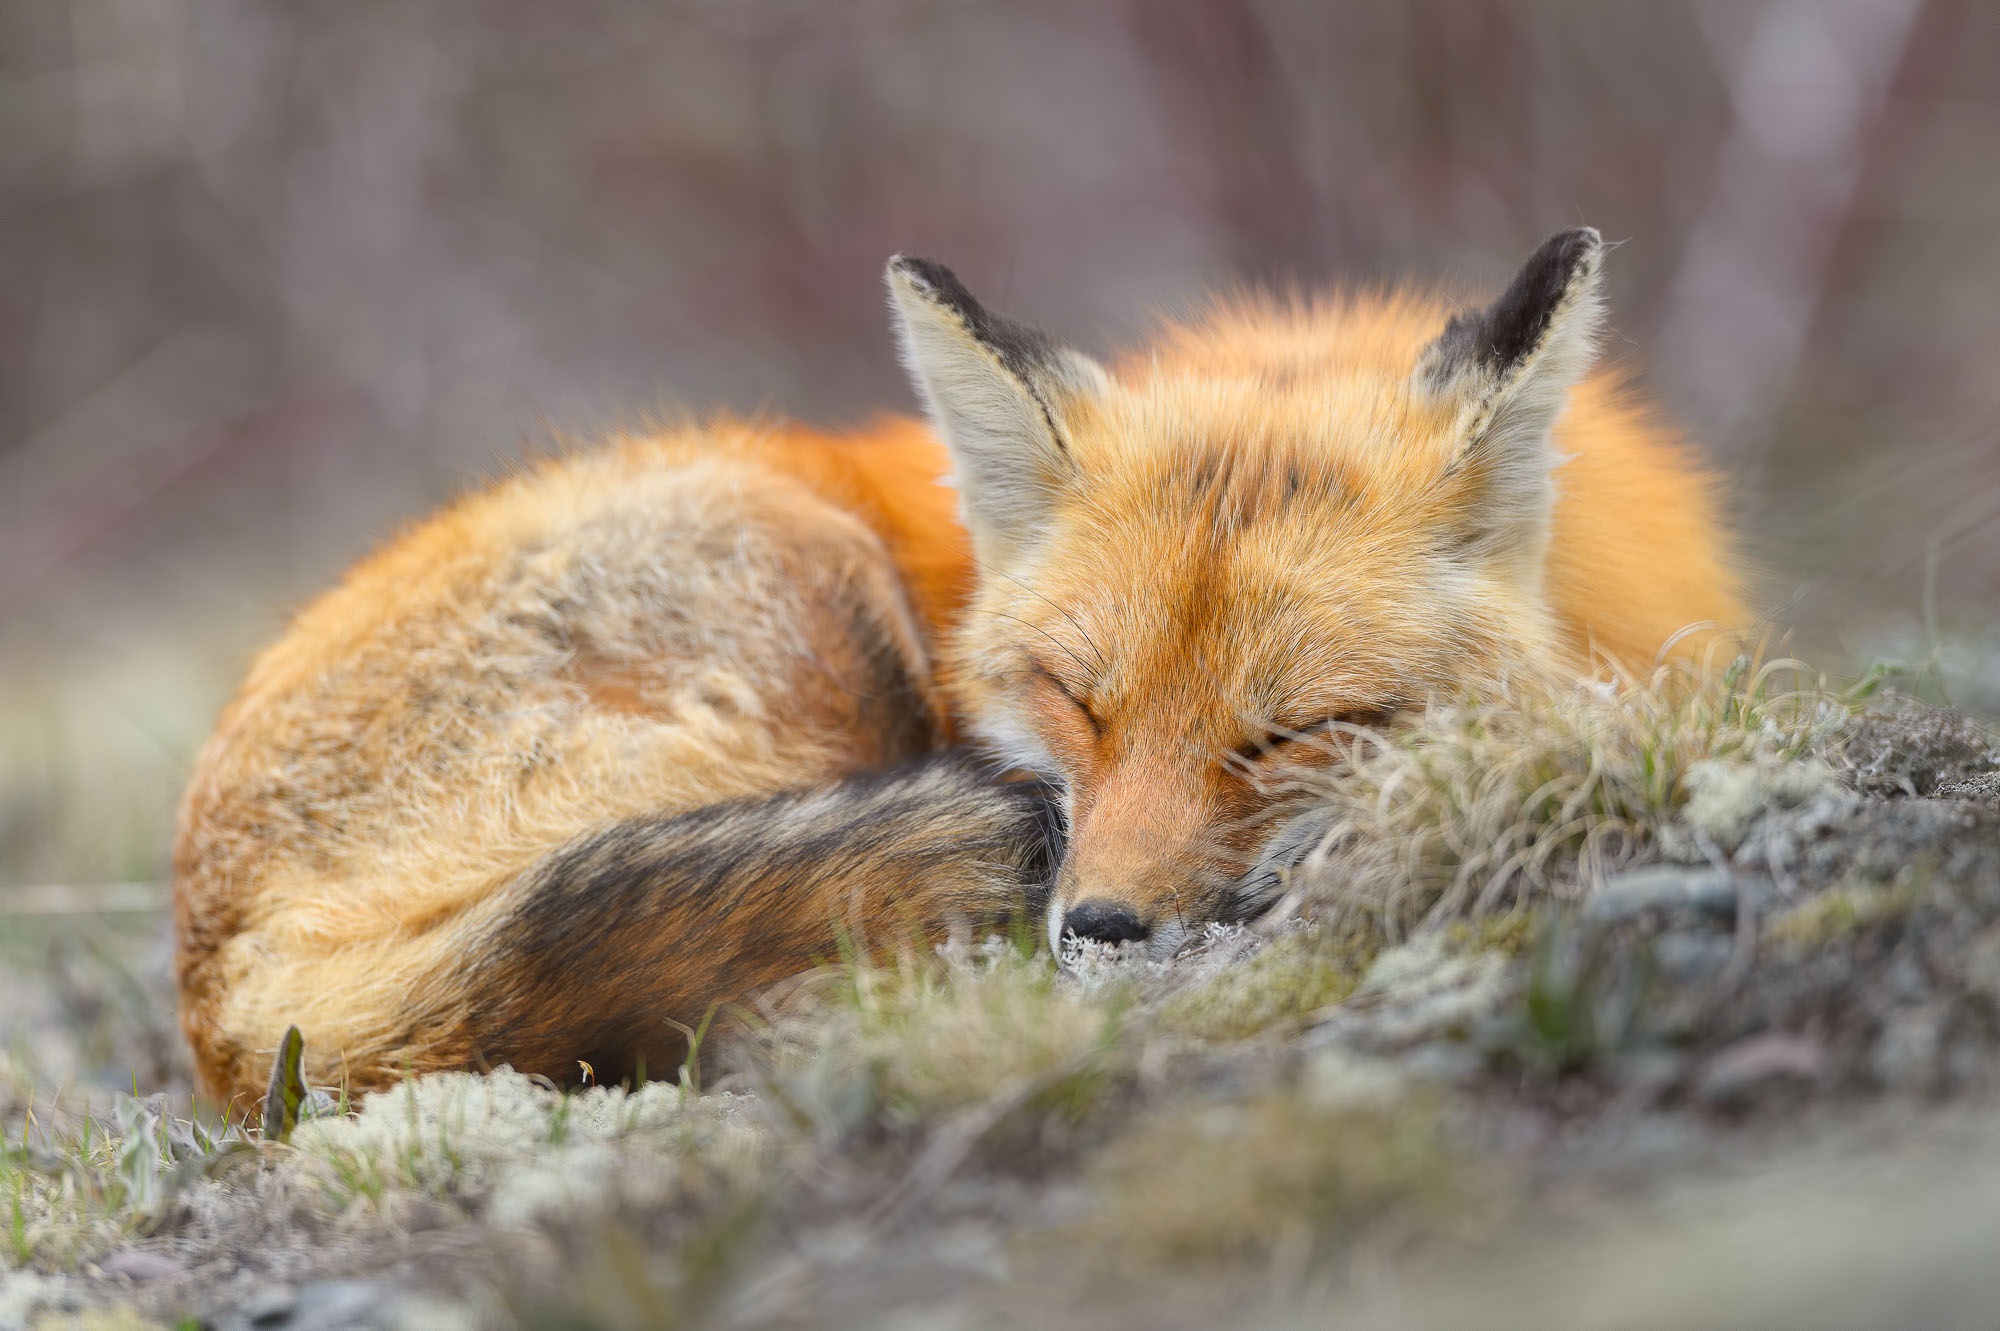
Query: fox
(652, 726)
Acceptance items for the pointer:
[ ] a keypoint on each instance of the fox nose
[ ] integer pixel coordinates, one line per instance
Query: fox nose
(1104, 922)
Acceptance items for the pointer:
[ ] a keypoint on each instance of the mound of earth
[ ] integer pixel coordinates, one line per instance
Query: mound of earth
(1740, 1073)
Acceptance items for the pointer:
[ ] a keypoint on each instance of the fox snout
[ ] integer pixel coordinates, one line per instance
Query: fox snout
(1160, 911)
(1145, 867)
(1154, 875)
(1160, 908)
(1100, 921)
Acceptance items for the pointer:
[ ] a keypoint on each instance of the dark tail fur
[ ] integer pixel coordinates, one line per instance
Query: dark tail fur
(622, 938)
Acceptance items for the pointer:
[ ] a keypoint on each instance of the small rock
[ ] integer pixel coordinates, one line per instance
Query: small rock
(1905, 981)
(1339, 1079)
(1985, 787)
(140, 1264)
(973, 1249)
(358, 1304)
(1968, 1063)
(1910, 749)
(1691, 959)
(270, 1306)
(1725, 799)
(1524, 1130)
(1758, 1066)
(319, 1103)
(1418, 992)
(1710, 893)
(1982, 964)
(1445, 1062)
(1909, 1054)
(332, 1305)
(1646, 1076)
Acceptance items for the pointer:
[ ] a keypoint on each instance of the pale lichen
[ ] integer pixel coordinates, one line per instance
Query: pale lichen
(525, 1151)
(1288, 979)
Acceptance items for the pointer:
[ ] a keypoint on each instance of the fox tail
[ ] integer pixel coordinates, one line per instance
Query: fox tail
(616, 944)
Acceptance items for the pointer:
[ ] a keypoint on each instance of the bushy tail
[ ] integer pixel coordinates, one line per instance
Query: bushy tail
(623, 939)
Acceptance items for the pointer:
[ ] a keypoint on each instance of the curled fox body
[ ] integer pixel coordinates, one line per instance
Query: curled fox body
(649, 728)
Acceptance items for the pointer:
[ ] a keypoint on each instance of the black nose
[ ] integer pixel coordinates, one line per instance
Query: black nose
(1104, 922)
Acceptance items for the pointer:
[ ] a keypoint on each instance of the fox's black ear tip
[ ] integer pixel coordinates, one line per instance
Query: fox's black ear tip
(926, 275)
(937, 284)
(1564, 258)
(1567, 250)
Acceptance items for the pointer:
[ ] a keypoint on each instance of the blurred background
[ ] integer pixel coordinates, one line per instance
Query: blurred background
(276, 278)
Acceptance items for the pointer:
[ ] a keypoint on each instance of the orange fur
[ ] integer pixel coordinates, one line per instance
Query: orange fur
(658, 625)
(1253, 527)
(1282, 514)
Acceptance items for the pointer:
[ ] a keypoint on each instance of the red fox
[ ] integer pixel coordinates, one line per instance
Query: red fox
(654, 726)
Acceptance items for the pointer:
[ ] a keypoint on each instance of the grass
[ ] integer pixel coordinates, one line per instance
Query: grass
(1478, 810)
(1176, 1103)
(1274, 1180)
(918, 1039)
(75, 1184)
(1288, 981)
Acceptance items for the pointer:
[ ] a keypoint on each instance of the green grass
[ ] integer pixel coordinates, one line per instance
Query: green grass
(1288, 982)
(74, 1184)
(876, 1050)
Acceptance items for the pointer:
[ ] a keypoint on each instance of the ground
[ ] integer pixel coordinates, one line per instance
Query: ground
(1672, 1007)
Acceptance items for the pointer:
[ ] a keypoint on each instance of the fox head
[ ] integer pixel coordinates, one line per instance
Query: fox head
(1281, 521)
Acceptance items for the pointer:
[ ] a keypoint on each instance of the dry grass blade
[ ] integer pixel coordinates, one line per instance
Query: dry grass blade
(1481, 807)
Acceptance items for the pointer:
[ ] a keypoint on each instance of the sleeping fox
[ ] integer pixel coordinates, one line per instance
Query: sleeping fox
(656, 725)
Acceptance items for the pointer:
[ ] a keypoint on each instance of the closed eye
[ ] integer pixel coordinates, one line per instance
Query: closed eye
(1082, 708)
(1278, 738)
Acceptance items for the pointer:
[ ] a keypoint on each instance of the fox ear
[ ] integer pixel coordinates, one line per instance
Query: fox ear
(998, 392)
(1505, 374)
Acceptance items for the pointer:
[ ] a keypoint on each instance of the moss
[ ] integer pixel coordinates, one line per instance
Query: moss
(1288, 978)
(1511, 934)
(1842, 911)
(1238, 1184)
(888, 1049)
